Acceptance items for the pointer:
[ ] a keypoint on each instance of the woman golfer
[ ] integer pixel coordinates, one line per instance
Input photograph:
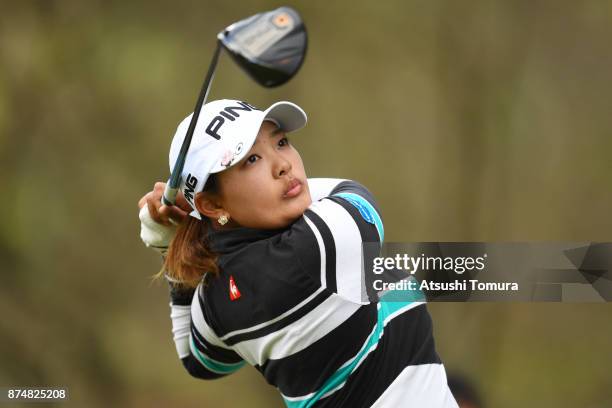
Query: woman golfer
(265, 268)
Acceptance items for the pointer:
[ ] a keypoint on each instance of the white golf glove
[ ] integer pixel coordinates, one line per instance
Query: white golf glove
(153, 234)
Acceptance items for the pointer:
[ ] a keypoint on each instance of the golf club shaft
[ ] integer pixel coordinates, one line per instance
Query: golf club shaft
(169, 197)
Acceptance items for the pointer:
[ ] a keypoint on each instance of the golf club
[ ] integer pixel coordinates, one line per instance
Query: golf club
(269, 46)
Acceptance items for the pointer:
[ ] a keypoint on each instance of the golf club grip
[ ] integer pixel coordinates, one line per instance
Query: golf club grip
(175, 178)
(169, 197)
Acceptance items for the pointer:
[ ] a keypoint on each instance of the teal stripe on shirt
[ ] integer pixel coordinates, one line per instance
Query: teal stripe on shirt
(367, 211)
(213, 365)
(385, 309)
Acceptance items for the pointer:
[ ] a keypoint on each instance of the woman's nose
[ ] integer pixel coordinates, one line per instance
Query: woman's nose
(283, 166)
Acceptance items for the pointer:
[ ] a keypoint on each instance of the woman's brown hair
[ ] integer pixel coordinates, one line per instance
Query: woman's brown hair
(189, 255)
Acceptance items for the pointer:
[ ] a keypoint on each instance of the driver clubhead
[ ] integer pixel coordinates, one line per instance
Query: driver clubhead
(269, 46)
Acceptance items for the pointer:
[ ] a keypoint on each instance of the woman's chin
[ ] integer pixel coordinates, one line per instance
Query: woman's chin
(292, 215)
(299, 206)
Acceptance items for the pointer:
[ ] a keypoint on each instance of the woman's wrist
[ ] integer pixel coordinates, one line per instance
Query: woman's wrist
(180, 294)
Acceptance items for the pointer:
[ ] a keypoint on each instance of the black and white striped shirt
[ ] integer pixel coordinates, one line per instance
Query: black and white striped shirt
(291, 303)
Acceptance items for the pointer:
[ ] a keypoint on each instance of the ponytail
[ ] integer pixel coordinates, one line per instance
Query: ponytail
(189, 256)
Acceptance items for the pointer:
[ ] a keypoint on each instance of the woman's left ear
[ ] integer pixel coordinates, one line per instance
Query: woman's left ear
(208, 206)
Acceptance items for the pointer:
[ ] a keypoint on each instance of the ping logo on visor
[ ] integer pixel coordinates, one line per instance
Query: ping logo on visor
(190, 184)
(230, 113)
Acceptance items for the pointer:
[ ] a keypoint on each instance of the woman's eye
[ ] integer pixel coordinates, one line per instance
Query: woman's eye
(283, 142)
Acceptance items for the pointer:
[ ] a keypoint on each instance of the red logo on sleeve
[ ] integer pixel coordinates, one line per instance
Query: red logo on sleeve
(233, 289)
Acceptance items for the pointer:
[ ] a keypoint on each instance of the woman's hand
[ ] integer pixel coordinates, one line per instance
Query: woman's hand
(157, 221)
(163, 214)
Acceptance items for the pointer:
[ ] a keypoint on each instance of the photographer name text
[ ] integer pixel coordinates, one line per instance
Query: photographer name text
(457, 285)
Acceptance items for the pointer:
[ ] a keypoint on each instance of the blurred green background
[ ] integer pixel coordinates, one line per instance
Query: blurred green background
(482, 120)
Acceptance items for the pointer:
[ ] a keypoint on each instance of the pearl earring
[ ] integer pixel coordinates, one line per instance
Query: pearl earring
(223, 219)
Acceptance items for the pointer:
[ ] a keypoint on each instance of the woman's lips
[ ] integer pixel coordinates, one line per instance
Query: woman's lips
(294, 189)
